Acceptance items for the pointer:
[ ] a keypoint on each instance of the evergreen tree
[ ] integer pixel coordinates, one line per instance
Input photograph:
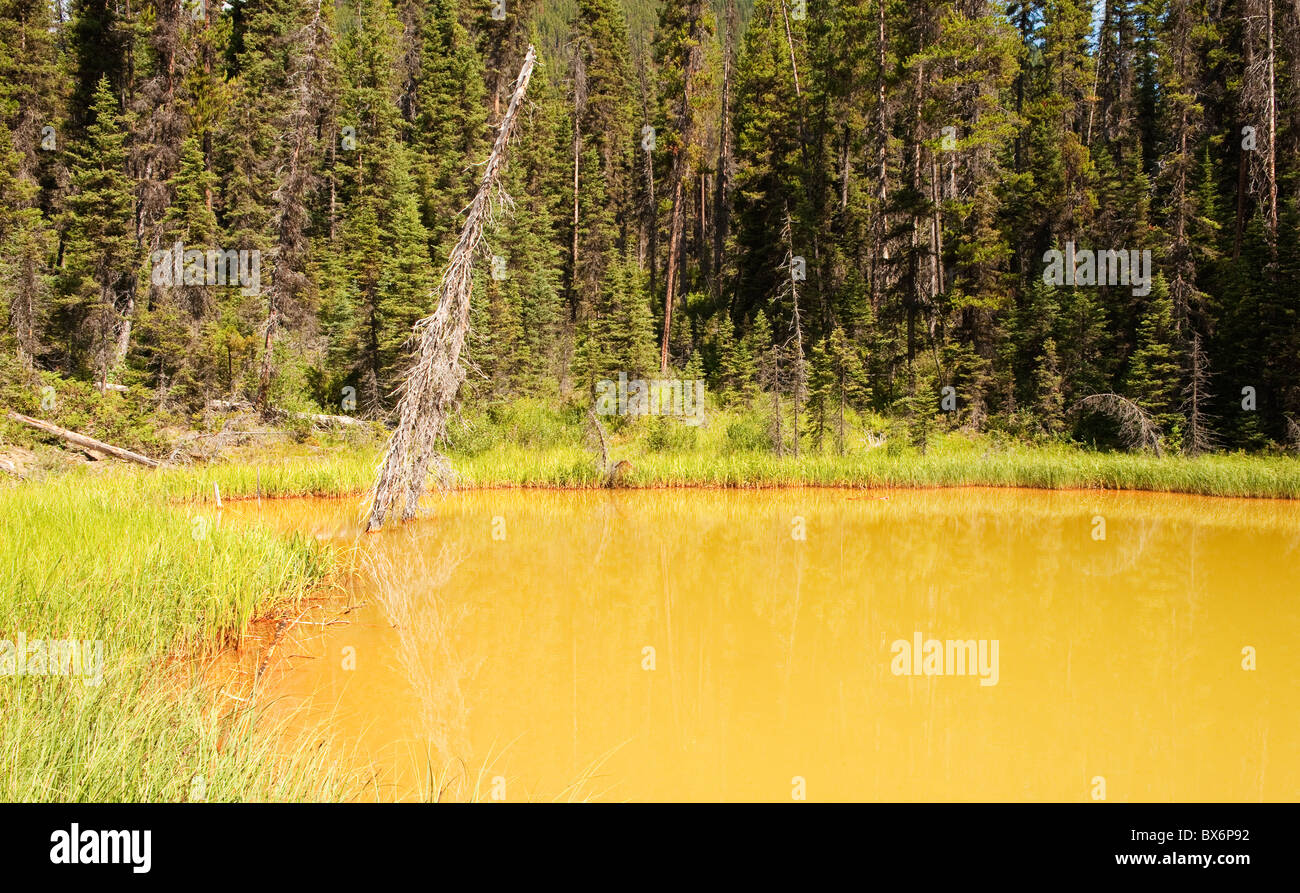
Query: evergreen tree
(449, 133)
(837, 383)
(602, 150)
(619, 335)
(96, 289)
(1154, 379)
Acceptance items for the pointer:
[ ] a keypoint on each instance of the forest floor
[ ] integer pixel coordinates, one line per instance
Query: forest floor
(98, 551)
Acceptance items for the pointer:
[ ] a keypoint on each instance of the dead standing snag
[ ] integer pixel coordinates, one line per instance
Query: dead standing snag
(435, 377)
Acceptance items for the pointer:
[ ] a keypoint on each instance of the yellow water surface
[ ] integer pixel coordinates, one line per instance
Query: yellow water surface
(741, 645)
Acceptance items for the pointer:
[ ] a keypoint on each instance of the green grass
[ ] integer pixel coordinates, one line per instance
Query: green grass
(712, 460)
(945, 466)
(97, 558)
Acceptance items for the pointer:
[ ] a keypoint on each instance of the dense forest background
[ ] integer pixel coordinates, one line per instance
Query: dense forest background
(842, 207)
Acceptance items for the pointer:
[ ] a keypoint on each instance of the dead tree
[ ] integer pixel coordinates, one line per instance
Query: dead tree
(81, 440)
(1196, 396)
(1258, 171)
(1137, 429)
(434, 379)
(789, 288)
(1292, 434)
(610, 473)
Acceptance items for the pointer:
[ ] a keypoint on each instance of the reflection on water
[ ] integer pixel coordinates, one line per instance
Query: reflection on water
(668, 645)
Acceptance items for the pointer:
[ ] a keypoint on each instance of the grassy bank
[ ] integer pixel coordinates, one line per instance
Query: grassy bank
(1039, 467)
(531, 443)
(155, 587)
(709, 459)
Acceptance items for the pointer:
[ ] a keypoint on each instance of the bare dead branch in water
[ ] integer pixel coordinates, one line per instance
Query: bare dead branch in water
(1136, 427)
(431, 385)
(611, 473)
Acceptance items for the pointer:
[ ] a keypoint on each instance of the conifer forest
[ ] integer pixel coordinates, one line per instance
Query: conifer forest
(998, 216)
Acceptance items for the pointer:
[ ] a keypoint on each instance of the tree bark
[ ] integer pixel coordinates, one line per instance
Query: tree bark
(430, 389)
(671, 280)
(81, 440)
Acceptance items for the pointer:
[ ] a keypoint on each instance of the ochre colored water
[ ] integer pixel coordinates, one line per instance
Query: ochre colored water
(688, 645)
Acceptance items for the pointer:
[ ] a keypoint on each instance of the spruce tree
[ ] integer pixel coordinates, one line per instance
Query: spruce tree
(1154, 379)
(96, 288)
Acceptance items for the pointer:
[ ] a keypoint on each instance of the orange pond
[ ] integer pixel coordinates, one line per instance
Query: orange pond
(729, 645)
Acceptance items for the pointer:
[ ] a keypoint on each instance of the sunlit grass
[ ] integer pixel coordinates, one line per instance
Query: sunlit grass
(160, 586)
(142, 737)
(1056, 467)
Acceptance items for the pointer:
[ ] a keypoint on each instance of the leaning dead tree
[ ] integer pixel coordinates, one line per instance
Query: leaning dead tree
(1136, 427)
(610, 473)
(430, 388)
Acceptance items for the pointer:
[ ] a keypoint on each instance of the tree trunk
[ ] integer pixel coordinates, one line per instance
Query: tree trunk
(430, 389)
(674, 261)
(81, 440)
(1271, 160)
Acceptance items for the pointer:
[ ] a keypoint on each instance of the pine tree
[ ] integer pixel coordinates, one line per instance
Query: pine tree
(169, 346)
(686, 58)
(271, 151)
(23, 243)
(383, 243)
(967, 70)
(619, 335)
(602, 151)
(837, 383)
(407, 279)
(736, 377)
(100, 256)
(529, 241)
(449, 133)
(30, 102)
(1154, 379)
(769, 164)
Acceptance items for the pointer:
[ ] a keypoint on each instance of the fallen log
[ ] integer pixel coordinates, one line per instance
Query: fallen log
(327, 421)
(81, 440)
(320, 420)
(230, 406)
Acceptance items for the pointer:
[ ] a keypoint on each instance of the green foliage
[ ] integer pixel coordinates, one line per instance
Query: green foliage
(1155, 373)
(917, 159)
(97, 283)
